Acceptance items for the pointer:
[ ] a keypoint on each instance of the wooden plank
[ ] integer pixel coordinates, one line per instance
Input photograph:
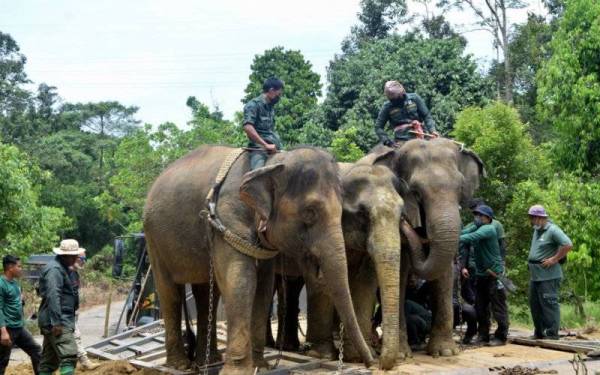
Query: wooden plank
(547, 344)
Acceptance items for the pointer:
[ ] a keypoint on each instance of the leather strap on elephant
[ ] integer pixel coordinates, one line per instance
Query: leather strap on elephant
(240, 244)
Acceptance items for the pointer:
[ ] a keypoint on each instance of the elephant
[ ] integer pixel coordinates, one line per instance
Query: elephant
(372, 208)
(439, 176)
(295, 198)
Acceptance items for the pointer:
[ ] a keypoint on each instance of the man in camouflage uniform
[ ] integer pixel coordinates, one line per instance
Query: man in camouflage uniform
(259, 123)
(549, 245)
(405, 112)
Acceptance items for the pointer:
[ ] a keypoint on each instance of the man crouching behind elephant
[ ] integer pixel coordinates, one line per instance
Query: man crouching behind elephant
(297, 194)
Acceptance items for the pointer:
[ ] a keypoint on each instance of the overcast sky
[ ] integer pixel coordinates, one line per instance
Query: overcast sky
(154, 54)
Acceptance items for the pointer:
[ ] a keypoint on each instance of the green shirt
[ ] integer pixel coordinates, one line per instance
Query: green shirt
(59, 298)
(485, 247)
(11, 306)
(402, 113)
(260, 114)
(466, 252)
(545, 244)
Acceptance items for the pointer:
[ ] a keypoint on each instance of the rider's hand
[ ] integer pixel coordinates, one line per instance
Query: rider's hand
(465, 273)
(57, 331)
(435, 134)
(5, 339)
(388, 143)
(271, 149)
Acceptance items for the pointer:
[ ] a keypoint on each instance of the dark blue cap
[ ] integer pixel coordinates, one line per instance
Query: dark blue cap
(484, 210)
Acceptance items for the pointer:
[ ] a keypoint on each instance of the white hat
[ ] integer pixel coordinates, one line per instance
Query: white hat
(68, 247)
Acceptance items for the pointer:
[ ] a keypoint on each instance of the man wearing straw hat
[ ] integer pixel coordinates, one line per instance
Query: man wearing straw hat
(549, 245)
(56, 317)
(407, 114)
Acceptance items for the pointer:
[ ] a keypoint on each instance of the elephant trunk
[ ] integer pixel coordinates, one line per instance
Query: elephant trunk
(384, 247)
(335, 272)
(443, 223)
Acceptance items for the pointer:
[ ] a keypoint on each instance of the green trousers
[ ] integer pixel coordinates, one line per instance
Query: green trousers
(545, 307)
(59, 352)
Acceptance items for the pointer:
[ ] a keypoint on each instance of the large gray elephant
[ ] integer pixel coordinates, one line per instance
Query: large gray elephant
(297, 194)
(372, 208)
(439, 176)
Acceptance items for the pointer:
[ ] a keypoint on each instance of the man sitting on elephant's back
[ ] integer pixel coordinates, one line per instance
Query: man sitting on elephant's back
(490, 294)
(406, 113)
(259, 123)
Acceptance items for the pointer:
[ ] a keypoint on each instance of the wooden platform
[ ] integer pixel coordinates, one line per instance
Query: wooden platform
(144, 348)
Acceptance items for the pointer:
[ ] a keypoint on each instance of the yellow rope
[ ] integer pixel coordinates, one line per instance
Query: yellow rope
(240, 244)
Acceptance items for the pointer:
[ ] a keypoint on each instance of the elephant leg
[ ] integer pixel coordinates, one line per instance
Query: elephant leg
(260, 311)
(269, 341)
(171, 297)
(320, 317)
(291, 306)
(404, 349)
(363, 289)
(440, 341)
(236, 277)
(201, 295)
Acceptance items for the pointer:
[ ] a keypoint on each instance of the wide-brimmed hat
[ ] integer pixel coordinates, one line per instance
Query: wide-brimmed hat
(68, 247)
(537, 210)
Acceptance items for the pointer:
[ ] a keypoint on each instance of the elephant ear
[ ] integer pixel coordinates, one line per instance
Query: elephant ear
(386, 158)
(258, 187)
(471, 167)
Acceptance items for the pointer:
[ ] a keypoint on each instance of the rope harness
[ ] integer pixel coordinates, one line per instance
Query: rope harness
(240, 244)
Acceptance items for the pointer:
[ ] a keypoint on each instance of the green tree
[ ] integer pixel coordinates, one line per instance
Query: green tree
(302, 88)
(437, 69)
(569, 87)
(501, 140)
(344, 145)
(26, 226)
(12, 76)
(377, 19)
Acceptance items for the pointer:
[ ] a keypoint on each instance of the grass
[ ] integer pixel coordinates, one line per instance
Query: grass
(570, 318)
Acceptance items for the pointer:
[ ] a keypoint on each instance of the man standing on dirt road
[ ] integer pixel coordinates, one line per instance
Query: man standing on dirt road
(56, 317)
(405, 112)
(259, 123)
(549, 246)
(11, 317)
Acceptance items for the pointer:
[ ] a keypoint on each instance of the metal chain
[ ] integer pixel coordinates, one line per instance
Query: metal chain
(211, 291)
(340, 368)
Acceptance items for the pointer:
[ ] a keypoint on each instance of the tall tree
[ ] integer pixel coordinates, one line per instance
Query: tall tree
(377, 19)
(302, 88)
(569, 87)
(492, 16)
(437, 69)
(12, 76)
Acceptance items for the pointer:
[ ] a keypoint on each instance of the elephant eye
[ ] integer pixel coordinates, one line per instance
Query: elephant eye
(309, 215)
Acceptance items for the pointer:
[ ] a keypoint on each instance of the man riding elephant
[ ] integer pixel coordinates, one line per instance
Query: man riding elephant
(259, 122)
(406, 113)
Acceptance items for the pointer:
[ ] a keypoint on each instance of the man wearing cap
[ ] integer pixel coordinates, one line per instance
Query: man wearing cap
(549, 245)
(405, 112)
(488, 264)
(259, 123)
(56, 316)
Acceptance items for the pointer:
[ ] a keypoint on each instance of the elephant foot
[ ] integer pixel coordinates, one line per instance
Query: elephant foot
(442, 346)
(352, 355)
(321, 351)
(289, 346)
(230, 369)
(387, 360)
(178, 361)
(261, 363)
(404, 350)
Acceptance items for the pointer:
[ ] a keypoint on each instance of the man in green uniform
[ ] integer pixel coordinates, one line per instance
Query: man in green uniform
(488, 264)
(11, 317)
(259, 122)
(549, 245)
(405, 112)
(56, 317)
